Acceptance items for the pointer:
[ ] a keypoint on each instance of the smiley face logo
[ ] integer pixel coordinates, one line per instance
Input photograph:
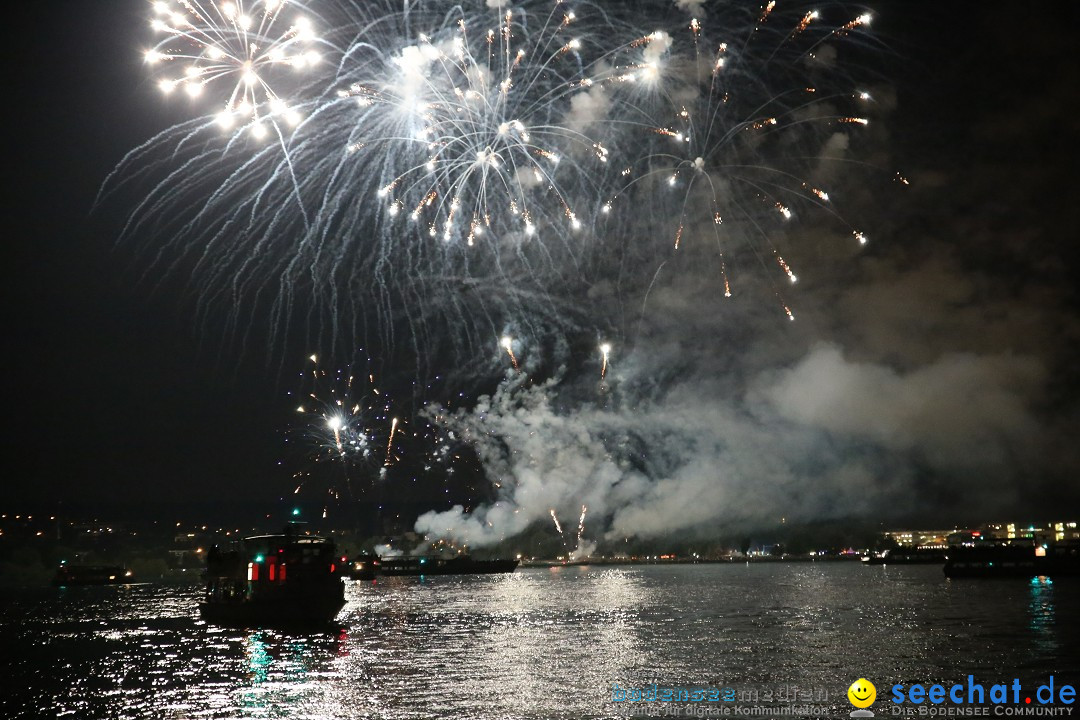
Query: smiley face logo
(862, 693)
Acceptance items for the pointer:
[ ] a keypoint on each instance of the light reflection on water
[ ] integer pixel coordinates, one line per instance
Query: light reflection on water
(537, 643)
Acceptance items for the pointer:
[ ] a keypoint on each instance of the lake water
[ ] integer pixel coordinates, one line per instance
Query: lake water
(538, 643)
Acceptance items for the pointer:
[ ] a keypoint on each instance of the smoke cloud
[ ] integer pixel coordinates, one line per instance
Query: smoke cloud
(826, 437)
(694, 7)
(587, 108)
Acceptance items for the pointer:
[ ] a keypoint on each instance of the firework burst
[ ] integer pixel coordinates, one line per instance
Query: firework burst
(740, 132)
(345, 421)
(470, 117)
(242, 47)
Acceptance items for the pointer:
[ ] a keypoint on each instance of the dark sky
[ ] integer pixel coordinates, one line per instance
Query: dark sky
(115, 395)
(119, 401)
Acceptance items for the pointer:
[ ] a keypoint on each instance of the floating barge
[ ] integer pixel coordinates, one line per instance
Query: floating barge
(92, 575)
(906, 556)
(1006, 560)
(369, 567)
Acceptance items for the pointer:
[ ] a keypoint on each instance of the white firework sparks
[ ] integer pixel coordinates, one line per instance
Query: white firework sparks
(467, 126)
(480, 168)
(242, 46)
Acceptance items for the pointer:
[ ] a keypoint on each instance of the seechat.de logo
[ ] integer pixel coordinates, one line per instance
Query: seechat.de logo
(862, 694)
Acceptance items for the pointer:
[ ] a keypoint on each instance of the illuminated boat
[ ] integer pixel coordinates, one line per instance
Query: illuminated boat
(92, 575)
(364, 567)
(267, 580)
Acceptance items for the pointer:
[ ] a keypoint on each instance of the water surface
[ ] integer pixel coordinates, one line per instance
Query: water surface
(533, 644)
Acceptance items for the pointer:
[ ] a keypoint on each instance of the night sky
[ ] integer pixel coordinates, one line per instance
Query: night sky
(117, 396)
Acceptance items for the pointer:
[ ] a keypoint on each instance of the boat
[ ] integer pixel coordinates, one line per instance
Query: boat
(429, 565)
(364, 567)
(268, 580)
(905, 556)
(1014, 560)
(92, 575)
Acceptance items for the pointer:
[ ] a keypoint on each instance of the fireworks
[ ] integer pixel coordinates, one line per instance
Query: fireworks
(243, 48)
(482, 154)
(605, 351)
(555, 519)
(342, 420)
(390, 441)
(863, 19)
(507, 344)
(476, 167)
(581, 527)
(727, 150)
(450, 174)
(558, 528)
(571, 554)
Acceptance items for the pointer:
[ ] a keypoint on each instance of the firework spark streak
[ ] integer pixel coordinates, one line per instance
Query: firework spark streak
(555, 518)
(581, 527)
(507, 344)
(558, 528)
(390, 442)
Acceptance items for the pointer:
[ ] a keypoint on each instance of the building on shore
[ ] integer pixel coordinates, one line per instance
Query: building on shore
(1027, 533)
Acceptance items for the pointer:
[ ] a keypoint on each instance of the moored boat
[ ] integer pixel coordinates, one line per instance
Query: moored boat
(273, 580)
(906, 556)
(364, 567)
(1014, 560)
(92, 575)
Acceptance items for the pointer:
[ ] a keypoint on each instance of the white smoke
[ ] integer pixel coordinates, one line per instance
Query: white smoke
(834, 149)
(526, 178)
(962, 411)
(583, 551)
(825, 437)
(695, 7)
(658, 45)
(388, 551)
(823, 57)
(587, 108)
